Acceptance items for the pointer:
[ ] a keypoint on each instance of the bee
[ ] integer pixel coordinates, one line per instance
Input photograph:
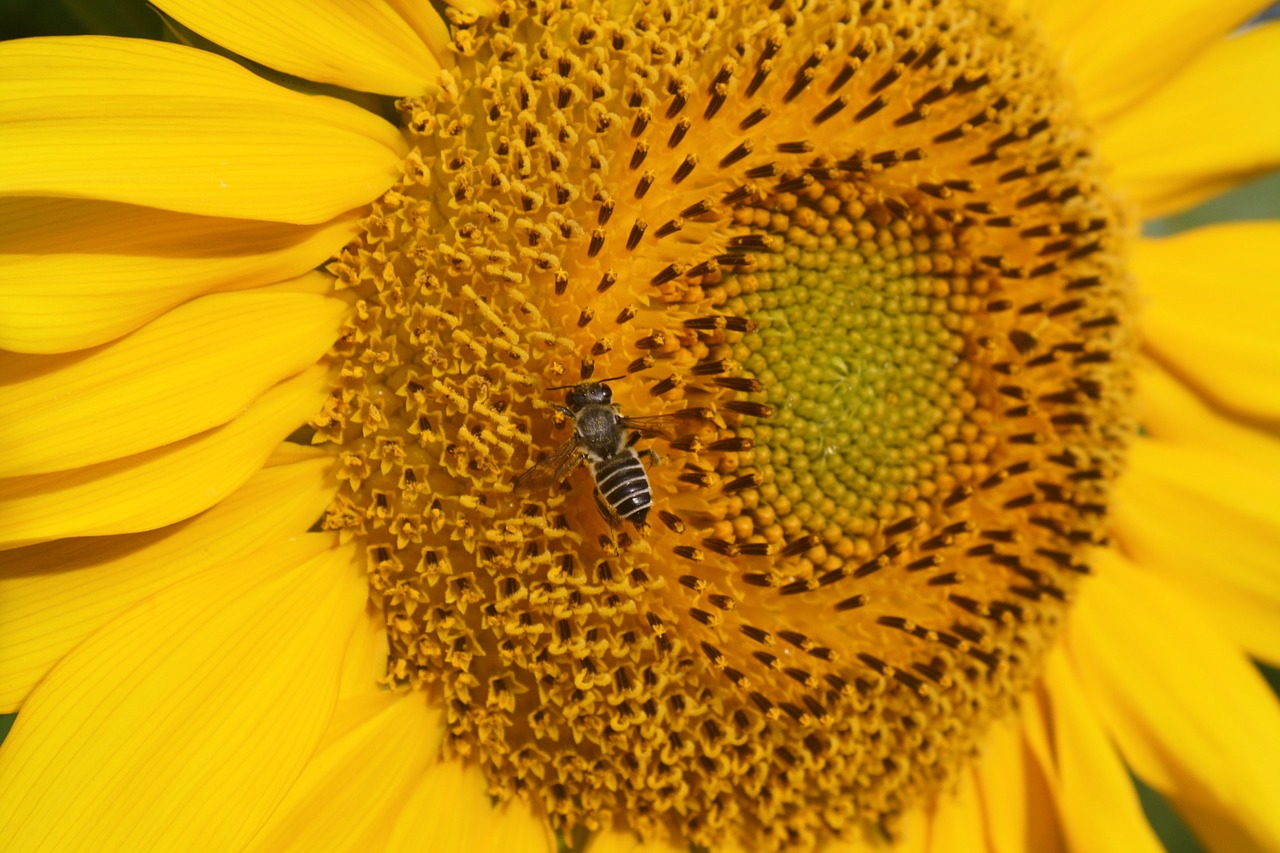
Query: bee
(605, 439)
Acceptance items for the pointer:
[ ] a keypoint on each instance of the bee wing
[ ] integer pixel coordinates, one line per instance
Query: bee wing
(549, 471)
(657, 426)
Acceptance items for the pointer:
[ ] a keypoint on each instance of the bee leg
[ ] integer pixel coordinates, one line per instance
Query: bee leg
(650, 454)
(611, 517)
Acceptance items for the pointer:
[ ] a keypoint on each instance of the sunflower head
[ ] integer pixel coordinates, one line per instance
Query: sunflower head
(856, 258)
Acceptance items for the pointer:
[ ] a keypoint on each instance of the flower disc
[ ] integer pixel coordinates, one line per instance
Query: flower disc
(857, 258)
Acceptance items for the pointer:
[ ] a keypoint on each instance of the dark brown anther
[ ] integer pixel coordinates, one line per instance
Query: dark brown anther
(745, 407)
(709, 267)
(718, 96)
(605, 211)
(663, 386)
(678, 132)
(799, 546)
(906, 525)
(802, 81)
(930, 562)
(875, 106)
(641, 122)
(794, 185)
(756, 549)
(720, 546)
(685, 168)
(637, 156)
(646, 181)
(698, 208)
(747, 481)
(844, 75)
(757, 116)
(657, 340)
(831, 109)
(731, 445)
(677, 104)
(741, 384)
(1023, 342)
(802, 146)
(668, 273)
(637, 231)
(688, 552)
(740, 151)
(758, 78)
(671, 521)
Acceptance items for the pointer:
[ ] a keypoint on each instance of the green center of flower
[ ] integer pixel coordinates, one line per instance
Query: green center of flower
(856, 261)
(858, 349)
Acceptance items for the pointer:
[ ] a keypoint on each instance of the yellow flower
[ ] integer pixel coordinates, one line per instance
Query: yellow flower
(966, 497)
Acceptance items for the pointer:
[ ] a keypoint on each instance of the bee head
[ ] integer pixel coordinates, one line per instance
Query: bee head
(588, 393)
(595, 392)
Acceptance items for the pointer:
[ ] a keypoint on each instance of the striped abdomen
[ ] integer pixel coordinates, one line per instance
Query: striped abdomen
(624, 485)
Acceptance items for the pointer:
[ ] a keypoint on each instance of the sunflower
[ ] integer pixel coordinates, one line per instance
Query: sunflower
(950, 494)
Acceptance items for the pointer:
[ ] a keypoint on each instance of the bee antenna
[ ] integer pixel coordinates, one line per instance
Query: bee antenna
(586, 382)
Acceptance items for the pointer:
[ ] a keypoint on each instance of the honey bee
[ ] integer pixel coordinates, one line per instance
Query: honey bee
(605, 439)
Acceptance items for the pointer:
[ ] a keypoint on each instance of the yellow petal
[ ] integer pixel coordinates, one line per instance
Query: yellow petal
(1211, 126)
(366, 657)
(516, 826)
(289, 454)
(190, 370)
(54, 595)
(1188, 711)
(131, 264)
(1058, 21)
(448, 810)
(911, 832)
(451, 810)
(1171, 412)
(1210, 521)
(1044, 819)
(1127, 48)
(1212, 312)
(429, 26)
(357, 782)
(161, 486)
(366, 46)
(1002, 788)
(1094, 789)
(181, 724)
(957, 825)
(479, 8)
(169, 126)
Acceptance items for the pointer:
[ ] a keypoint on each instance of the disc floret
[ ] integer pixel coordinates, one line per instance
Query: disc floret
(859, 254)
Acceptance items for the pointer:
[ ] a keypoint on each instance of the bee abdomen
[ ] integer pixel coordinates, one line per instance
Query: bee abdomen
(624, 485)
